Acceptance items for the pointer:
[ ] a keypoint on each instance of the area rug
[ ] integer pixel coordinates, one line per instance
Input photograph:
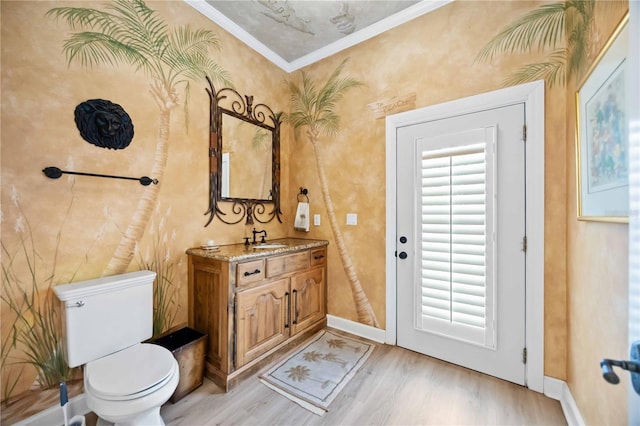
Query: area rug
(314, 375)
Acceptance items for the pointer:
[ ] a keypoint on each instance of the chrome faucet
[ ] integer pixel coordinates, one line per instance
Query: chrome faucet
(262, 239)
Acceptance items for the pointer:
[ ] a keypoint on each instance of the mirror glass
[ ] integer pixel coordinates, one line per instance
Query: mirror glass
(244, 159)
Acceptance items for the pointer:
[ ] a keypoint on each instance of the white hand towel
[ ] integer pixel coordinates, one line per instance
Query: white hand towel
(302, 218)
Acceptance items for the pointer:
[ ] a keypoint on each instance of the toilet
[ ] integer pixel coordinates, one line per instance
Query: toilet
(105, 320)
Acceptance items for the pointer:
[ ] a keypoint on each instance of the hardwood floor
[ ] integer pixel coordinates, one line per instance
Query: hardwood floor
(394, 387)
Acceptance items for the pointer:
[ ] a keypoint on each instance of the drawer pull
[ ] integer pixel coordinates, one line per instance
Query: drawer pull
(248, 274)
(287, 308)
(295, 307)
(318, 257)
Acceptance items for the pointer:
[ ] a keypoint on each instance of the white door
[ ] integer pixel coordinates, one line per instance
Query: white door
(461, 240)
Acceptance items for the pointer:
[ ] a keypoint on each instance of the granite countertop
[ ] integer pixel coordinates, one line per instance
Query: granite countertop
(238, 252)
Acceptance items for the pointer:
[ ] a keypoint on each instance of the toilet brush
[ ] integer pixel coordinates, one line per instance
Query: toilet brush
(64, 398)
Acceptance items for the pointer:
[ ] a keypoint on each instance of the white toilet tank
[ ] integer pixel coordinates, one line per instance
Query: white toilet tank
(105, 315)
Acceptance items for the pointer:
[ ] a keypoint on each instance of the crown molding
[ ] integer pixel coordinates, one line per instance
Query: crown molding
(366, 33)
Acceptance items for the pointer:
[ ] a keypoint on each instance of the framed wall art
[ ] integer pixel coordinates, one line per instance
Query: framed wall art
(602, 142)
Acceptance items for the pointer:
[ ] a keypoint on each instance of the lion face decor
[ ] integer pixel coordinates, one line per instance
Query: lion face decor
(104, 124)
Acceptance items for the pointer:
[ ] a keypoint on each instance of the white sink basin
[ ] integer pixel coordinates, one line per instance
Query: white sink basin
(270, 245)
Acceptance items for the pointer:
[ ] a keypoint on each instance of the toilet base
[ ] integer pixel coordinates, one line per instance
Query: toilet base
(149, 417)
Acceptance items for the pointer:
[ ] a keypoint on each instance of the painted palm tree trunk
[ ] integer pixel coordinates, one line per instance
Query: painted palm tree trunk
(363, 307)
(122, 256)
(316, 110)
(130, 32)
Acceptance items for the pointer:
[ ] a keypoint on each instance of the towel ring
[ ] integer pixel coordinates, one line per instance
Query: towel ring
(303, 192)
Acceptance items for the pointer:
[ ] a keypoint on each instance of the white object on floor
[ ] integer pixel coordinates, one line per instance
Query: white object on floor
(125, 381)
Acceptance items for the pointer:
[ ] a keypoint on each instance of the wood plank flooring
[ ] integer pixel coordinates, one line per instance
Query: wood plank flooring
(394, 387)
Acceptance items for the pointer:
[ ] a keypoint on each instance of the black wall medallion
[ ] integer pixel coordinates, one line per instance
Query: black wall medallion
(104, 124)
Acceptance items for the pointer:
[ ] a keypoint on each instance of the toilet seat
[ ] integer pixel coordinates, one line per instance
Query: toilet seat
(131, 373)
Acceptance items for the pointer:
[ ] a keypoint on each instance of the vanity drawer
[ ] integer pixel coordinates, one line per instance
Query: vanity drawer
(289, 263)
(250, 272)
(318, 257)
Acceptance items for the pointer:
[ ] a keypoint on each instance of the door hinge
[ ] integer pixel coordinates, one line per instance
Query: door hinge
(524, 132)
(524, 244)
(524, 355)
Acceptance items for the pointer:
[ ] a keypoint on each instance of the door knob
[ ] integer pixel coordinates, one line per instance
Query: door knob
(403, 239)
(402, 255)
(633, 366)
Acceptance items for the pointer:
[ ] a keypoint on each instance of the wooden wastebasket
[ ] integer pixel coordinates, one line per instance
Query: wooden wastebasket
(188, 347)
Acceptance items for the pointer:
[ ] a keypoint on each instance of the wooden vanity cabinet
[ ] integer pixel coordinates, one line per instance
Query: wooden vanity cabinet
(254, 308)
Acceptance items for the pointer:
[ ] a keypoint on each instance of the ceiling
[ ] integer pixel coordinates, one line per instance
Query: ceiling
(296, 33)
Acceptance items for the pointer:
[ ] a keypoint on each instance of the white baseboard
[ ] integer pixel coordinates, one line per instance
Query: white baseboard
(77, 406)
(356, 328)
(559, 390)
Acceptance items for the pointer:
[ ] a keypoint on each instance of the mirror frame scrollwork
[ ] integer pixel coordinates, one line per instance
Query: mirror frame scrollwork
(241, 107)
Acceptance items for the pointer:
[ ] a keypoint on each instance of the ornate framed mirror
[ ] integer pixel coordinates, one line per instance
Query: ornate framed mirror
(244, 159)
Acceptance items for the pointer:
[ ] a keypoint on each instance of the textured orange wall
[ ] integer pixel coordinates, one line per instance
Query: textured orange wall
(597, 288)
(425, 57)
(39, 94)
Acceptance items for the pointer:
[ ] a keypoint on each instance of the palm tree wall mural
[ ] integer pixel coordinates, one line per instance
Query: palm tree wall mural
(315, 109)
(126, 32)
(35, 339)
(129, 32)
(566, 28)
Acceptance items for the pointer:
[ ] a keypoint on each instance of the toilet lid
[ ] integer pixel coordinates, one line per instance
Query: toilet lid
(130, 371)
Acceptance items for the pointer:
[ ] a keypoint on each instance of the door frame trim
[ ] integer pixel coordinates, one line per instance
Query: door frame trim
(532, 95)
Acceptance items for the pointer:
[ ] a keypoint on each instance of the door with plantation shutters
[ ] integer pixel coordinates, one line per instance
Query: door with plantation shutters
(461, 271)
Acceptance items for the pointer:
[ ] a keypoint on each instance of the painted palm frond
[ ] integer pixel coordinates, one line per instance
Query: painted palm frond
(552, 70)
(565, 28)
(333, 91)
(302, 102)
(188, 53)
(579, 34)
(92, 49)
(130, 32)
(539, 29)
(315, 109)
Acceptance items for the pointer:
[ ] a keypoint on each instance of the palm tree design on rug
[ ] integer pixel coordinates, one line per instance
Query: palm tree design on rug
(301, 373)
(339, 343)
(131, 33)
(547, 27)
(315, 109)
(315, 356)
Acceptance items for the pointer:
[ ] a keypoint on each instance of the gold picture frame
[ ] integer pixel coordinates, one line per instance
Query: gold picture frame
(602, 141)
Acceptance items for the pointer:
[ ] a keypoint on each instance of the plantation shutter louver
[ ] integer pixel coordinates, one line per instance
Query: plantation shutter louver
(455, 254)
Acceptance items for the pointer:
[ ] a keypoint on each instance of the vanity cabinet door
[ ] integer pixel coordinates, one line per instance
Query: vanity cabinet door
(307, 299)
(262, 319)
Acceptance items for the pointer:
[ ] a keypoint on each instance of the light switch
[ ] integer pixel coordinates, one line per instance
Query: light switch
(352, 218)
(316, 220)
